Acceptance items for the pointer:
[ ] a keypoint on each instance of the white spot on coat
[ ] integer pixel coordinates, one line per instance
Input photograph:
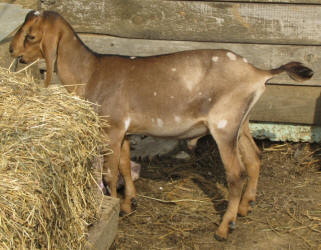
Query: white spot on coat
(231, 56)
(133, 57)
(155, 93)
(215, 58)
(173, 69)
(222, 124)
(177, 119)
(127, 123)
(192, 78)
(37, 13)
(160, 122)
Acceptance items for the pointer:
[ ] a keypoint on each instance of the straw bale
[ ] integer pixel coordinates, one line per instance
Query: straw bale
(49, 141)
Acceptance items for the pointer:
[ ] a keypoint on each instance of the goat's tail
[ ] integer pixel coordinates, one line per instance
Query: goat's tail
(296, 70)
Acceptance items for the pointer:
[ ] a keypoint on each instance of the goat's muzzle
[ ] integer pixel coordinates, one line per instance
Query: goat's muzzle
(21, 60)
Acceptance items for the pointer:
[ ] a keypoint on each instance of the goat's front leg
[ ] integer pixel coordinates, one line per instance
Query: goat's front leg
(111, 162)
(129, 202)
(110, 168)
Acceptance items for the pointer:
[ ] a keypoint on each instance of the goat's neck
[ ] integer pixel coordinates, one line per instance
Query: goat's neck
(75, 63)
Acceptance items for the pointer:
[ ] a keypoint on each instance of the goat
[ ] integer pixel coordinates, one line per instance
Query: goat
(181, 95)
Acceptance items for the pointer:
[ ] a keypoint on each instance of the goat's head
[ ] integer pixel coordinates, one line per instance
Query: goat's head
(37, 38)
(27, 42)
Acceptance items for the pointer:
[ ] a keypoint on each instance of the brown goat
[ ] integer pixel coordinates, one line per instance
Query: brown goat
(182, 95)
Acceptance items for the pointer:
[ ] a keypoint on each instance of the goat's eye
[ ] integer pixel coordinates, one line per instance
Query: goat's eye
(30, 37)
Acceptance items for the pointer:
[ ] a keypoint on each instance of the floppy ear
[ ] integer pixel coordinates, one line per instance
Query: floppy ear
(49, 45)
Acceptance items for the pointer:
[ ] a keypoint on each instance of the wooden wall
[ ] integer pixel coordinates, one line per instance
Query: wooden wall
(267, 34)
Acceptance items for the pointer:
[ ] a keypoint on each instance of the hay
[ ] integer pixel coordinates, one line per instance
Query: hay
(49, 141)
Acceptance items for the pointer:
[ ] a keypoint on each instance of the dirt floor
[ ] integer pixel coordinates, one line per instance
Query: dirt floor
(181, 202)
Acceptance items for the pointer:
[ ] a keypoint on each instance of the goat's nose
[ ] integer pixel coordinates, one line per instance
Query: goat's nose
(21, 60)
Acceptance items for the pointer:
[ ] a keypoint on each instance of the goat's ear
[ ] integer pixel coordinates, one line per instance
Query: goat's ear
(48, 46)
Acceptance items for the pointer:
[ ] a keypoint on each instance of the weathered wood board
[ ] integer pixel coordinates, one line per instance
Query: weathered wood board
(286, 132)
(102, 235)
(289, 104)
(196, 21)
(26, 4)
(262, 56)
(11, 16)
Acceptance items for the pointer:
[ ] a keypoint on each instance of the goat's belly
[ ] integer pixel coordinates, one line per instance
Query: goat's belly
(183, 131)
(194, 132)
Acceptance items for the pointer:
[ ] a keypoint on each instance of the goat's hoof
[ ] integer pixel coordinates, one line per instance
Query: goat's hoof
(232, 225)
(243, 211)
(219, 238)
(252, 203)
(124, 209)
(133, 202)
(221, 233)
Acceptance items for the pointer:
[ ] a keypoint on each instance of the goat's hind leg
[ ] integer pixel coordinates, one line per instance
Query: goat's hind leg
(250, 157)
(226, 139)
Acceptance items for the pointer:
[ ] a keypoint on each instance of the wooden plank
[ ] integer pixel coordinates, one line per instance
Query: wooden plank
(196, 21)
(102, 234)
(286, 132)
(26, 4)
(11, 16)
(289, 104)
(263, 56)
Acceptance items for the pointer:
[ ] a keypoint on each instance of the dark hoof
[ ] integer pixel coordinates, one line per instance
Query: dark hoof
(133, 202)
(252, 203)
(232, 225)
(219, 238)
(122, 214)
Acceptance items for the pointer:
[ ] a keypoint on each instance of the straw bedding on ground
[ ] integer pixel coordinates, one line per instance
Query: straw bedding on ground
(181, 201)
(49, 141)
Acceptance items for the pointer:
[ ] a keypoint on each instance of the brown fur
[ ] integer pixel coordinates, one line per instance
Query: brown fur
(181, 95)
